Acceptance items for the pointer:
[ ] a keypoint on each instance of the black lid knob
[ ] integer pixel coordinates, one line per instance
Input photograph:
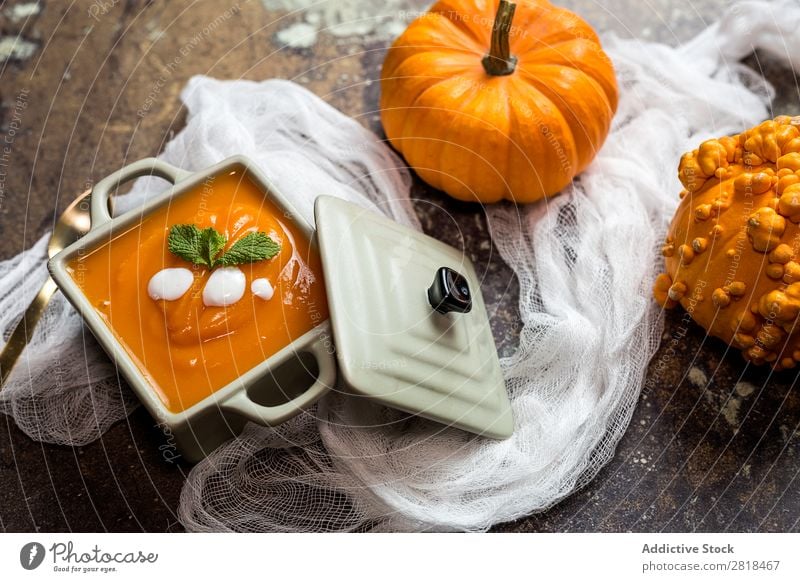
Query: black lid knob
(450, 292)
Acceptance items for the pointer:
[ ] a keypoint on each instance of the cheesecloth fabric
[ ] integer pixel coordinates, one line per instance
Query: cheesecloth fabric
(584, 260)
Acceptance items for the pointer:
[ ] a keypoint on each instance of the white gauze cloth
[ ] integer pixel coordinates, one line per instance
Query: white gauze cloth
(585, 261)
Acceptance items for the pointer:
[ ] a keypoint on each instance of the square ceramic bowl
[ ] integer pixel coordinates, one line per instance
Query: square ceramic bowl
(275, 390)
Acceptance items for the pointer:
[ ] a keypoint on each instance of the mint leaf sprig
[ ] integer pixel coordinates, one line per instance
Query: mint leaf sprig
(204, 247)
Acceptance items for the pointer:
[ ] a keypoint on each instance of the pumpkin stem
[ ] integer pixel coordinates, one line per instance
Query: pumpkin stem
(499, 60)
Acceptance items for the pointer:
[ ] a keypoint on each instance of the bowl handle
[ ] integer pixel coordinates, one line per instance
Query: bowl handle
(145, 167)
(241, 404)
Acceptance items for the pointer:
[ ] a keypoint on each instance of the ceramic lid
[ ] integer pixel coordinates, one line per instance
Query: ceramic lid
(409, 322)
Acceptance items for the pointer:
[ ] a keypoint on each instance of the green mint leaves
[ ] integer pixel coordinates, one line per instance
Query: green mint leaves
(200, 247)
(254, 246)
(204, 247)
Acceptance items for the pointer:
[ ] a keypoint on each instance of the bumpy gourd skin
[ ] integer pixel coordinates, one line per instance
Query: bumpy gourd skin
(732, 253)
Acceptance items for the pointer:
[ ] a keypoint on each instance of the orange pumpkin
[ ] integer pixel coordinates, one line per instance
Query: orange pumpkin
(488, 108)
(732, 253)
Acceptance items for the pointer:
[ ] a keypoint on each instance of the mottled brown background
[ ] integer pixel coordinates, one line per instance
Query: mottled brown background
(713, 444)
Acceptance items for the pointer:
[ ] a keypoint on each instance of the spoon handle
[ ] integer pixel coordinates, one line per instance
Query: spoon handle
(24, 330)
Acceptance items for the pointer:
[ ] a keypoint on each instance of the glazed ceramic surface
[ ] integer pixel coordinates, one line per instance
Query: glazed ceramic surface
(270, 393)
(392, 344)
(409, 323)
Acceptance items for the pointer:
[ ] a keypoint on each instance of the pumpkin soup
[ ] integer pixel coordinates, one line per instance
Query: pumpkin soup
(206, 287)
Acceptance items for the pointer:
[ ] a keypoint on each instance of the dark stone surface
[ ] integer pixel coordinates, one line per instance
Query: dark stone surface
(713, 444)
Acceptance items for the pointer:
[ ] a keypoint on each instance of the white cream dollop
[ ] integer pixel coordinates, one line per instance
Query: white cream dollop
(170, 284)
(262, 289)
(225, 287)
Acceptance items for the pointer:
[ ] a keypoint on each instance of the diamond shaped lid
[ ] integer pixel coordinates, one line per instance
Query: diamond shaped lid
(385, 283)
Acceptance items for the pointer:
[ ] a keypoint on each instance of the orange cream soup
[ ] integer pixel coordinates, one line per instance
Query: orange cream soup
(185, 349)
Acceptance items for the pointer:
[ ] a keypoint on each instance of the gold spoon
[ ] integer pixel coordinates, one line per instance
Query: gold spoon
(70, 226)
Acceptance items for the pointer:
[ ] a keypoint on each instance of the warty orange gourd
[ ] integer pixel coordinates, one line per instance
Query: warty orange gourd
(732, 253)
